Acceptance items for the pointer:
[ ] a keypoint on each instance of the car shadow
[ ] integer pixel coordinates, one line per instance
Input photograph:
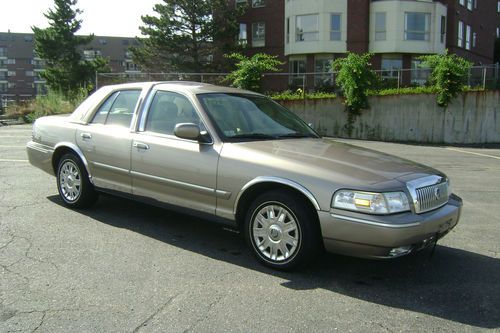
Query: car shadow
(452, 284)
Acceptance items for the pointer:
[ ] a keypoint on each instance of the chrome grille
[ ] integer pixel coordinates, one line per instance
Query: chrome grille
(431, 197)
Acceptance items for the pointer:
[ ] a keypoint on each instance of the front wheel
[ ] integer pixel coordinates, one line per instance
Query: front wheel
(73, 183)
(281, 230)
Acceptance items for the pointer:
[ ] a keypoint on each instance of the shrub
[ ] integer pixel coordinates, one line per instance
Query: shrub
(448, 76)
(355, 77)
(50, 104)
(248, 72)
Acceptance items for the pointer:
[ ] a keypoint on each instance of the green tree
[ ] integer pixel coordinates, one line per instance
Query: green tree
(355, 77)
(186, 35)
(58, 45)
(449, 74)
(248, 72)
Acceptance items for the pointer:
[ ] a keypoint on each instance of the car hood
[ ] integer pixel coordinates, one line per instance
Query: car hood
(329, 159)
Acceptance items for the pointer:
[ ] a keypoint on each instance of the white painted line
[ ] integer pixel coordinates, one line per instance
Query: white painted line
(472, 153)
(9, 160)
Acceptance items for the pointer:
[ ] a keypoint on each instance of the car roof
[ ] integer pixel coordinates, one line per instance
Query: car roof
(182, 86)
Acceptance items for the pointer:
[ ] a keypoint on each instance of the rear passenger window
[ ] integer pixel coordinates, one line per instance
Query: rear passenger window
(118, 109)
(169, 109)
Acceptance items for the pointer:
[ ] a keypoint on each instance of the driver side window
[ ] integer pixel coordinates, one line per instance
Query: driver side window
(169, 109)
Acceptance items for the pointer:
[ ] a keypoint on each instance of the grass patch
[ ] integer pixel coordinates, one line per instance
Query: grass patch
(51, 104)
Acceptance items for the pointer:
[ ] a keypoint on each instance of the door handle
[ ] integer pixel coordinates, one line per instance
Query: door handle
(140, 145)
(86, 136)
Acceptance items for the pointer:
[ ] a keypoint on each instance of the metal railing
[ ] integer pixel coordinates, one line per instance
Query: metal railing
(481, 77)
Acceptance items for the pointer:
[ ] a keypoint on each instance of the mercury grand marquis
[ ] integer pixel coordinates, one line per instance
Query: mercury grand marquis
(237, 157)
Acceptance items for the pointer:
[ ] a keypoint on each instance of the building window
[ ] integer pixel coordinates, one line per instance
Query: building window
(498, 32)
(469, 4)
(417, 26)
(258, 3)
(242, 36)
(28, 38)
(3, 87)
(11, 61)
(498, 6)
(11, 85)
(298, 69)
(335, 27)
(460, 41)
(240, 3)
(474, 39)
(380, 26)
(307, 28)
(443, 29)
(11, 73)
(468, 33)
(91, 54)
(29, 73)
(258, 34)
(3, 52)
(462, 2)
(323, 73)
(391, 66)
(102, 41)
(287, 30)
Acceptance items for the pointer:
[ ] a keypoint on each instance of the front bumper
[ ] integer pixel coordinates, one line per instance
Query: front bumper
(370, 236)
(40, 156)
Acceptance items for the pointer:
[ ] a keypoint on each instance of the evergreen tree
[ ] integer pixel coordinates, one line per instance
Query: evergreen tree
(58, 45)
(187, 36)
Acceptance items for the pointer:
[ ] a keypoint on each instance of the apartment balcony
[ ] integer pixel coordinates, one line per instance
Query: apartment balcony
(417, 27)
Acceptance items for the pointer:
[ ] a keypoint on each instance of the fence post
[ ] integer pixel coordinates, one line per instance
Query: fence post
(96, 82)
(304, 86)
(484, 77)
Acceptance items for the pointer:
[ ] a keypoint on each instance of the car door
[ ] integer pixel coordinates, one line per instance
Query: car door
(106, 140)
(167, 168)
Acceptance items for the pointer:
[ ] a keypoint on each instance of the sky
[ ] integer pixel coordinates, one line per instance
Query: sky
(100, 17)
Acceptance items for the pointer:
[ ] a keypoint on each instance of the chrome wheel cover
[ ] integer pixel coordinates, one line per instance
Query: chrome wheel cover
(275, 232)
(70, 181)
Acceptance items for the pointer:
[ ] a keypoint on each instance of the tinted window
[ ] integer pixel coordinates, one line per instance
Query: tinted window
(169, 109)
(118, 108)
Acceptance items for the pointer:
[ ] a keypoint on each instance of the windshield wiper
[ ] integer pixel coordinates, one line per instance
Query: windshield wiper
(296, 135)
(253, 136)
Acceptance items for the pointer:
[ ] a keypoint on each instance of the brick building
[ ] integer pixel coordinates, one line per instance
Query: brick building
(308, 34)
(20, 67)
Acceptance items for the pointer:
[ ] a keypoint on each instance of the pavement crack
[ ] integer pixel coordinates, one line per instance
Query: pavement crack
(41, 322)
(205, 316)
(154, 314)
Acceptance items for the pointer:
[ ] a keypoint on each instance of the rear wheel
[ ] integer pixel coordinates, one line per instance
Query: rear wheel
(281, 230)
(73, 183)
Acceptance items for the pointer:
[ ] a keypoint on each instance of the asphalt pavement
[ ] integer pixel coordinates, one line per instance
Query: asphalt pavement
(127, 267)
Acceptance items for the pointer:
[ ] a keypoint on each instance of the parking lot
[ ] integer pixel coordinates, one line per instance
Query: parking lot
(127, 267)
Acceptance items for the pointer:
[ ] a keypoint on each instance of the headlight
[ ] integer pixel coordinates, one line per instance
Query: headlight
(372, 203)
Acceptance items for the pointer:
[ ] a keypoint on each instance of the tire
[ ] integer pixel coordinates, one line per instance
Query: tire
(73, 184)
(291, 239)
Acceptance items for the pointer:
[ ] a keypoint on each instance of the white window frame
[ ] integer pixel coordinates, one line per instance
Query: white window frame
(380, 33)
(311, 32)
(468, 35)
(243, 34)
(258, 3)
(335, 32)
(426, 33)
(460, 37)
(470, 5)
(256, 28)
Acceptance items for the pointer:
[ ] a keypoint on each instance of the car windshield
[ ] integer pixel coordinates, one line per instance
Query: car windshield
(242, 117)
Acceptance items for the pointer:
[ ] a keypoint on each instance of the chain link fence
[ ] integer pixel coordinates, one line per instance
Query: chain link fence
(481, 77)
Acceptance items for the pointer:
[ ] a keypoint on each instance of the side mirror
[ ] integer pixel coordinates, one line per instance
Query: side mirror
(190, 131)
